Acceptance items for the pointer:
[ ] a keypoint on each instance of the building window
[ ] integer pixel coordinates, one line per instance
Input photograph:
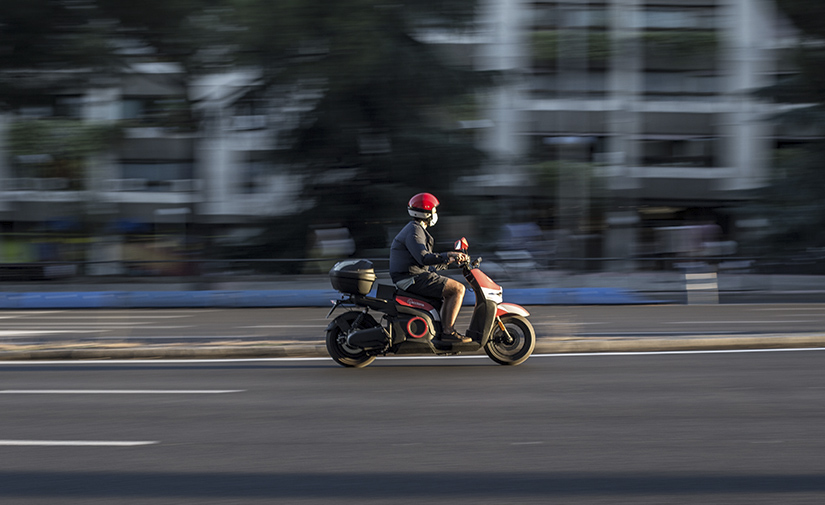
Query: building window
(256, 168)
(166, 112)
(157, 175)
(68, 106)
(680, 85)
(679, 18)
(48, 106)
(680, 152)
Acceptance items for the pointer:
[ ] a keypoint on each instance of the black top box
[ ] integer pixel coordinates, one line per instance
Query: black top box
(354, 277)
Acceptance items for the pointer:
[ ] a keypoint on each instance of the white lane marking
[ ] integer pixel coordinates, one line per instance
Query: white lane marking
(743, 322)
(79, 323)
(100, 328)
(124, 316)
(118, 391)
(136, 362)
(108, 312)
(784, 309)
(212, 338)
(176, 327)
(174, 361)
(562, 323)
(15, 333)
(655, 353)
(76, 443)
(286, 326)
(32, 312)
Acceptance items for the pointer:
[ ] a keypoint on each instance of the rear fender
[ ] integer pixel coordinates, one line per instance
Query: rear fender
(341, 323)
(511, 308)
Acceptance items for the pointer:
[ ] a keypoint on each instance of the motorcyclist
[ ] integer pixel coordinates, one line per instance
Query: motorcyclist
(413, 264)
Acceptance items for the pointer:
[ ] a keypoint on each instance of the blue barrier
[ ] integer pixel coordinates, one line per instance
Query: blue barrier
(285, 298)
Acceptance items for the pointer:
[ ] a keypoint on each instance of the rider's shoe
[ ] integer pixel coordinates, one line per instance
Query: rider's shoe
(455, 338)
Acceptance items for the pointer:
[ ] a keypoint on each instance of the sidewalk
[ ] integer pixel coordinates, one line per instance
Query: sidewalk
(540, 288)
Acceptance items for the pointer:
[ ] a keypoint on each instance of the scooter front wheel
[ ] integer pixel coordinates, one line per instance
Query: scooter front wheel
(514, 346)
(337, 347)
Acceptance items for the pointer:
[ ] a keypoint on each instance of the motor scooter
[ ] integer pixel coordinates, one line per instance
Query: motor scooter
(411, 324)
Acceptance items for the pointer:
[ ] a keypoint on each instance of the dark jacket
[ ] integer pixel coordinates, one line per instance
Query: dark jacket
(411, 253)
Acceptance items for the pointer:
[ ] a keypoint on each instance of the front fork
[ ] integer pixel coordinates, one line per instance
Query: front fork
(506, 338)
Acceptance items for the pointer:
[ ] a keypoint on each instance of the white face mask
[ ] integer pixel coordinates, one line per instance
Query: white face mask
(433, 219)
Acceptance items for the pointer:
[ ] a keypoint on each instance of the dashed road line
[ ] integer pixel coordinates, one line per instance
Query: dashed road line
(77, 443)
(119, 391)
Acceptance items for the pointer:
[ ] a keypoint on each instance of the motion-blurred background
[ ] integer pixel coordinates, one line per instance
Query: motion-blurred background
(221, 137)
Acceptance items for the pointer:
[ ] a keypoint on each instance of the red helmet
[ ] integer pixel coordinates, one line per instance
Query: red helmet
(422, 206)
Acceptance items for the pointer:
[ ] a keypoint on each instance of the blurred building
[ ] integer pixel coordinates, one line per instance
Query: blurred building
(194, 159)
(653, 94)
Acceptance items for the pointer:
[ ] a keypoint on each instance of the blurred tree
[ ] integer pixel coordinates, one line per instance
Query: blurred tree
(381, 128)
(43, 46)
(797, 182)
(49, 45)
(59, 147)
(382, 125)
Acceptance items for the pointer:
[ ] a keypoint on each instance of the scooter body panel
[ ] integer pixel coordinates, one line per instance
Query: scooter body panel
(484, 316)
(417, 324)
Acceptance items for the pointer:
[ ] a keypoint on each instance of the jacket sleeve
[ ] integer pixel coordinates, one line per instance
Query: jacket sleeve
(417, 245)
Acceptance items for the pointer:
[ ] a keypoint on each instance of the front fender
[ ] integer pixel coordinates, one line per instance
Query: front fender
(511, 308)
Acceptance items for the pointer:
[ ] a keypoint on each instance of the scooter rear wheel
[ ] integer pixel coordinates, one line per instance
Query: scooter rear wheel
(514, 346)
(337, 347)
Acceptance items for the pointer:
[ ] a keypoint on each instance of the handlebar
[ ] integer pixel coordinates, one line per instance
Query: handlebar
(471, 263)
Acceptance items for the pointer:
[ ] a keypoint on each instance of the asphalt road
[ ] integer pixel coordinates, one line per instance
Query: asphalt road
(722, 428)
(308, 324)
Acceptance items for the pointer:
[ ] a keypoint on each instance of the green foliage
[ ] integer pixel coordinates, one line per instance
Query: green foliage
(48, 45)
(60, 146)
(807, 15)
(61, 138)
(807, 86)
(388, 110)
(680, 44)
(597, 49)
(795, 198)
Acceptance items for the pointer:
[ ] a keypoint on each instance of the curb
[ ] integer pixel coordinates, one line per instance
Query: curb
(318, 350)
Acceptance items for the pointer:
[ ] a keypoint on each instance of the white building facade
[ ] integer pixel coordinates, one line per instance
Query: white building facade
(654, 95)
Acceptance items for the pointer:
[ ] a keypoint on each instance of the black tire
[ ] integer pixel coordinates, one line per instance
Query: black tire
(337, 347)
(515, 352)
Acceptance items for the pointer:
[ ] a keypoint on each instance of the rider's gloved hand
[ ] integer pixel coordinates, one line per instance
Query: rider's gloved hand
(458, 257)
